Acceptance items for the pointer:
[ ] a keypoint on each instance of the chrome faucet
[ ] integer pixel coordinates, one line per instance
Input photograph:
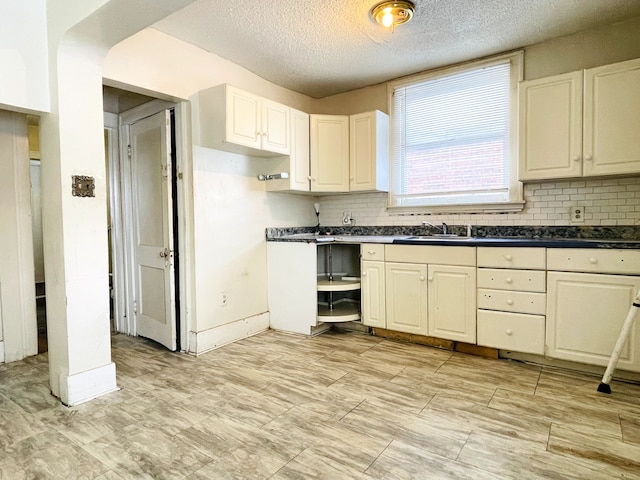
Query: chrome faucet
(444, 228)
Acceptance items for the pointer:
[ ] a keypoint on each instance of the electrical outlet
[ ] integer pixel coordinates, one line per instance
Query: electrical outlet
(576, 214)
(346, 218)
(224, 299)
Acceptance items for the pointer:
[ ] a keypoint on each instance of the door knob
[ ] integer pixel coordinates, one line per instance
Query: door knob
(165, 253)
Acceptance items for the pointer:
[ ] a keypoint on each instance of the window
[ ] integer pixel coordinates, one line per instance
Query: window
(453, 139)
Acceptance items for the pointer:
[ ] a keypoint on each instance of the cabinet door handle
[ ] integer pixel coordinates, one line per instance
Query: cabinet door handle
(509, 332)
(364, 274)
(588, 158)
(576, 158)
(421, 278)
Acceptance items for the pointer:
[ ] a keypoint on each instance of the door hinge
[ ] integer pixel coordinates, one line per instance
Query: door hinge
(129, 151)
(135, 308)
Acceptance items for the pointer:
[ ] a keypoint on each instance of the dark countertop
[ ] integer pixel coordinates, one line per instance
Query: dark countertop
(554, 237)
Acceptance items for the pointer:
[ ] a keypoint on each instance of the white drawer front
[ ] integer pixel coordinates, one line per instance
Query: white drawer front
(509, 301)
(512, 257)
(522, 280)
(511, 331)
(594, 260)
(431, 254)
(372, 251)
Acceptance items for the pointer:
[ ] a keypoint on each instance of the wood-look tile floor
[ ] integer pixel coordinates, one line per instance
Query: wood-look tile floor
(341, 405)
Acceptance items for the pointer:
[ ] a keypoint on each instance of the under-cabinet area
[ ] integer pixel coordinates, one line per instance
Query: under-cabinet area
(338, 283)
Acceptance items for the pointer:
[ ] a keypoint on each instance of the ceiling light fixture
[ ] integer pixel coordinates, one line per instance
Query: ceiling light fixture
(390, 14)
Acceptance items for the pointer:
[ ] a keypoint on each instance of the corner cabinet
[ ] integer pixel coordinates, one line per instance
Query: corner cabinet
(329, 156)
(581, 124)
(238, 121)
(350, 153)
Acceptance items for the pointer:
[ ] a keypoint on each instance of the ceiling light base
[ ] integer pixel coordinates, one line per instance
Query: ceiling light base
(389, 14)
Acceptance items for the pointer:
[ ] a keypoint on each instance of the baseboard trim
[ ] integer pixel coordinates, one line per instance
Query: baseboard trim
(207, 340)
(85, 386)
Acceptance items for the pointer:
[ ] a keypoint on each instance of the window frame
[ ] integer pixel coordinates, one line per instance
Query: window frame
(515, 202)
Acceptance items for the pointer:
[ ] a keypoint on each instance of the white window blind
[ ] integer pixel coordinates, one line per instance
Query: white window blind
(452, 136)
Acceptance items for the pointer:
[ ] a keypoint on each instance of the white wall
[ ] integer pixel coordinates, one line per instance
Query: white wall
(24, 82)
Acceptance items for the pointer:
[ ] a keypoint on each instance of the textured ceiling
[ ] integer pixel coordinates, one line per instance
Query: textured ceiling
(324, 47)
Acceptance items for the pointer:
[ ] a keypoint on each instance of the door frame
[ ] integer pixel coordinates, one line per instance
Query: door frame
(182, 208)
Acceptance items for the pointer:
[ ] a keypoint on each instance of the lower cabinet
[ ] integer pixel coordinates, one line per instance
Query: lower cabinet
(406, 297)
(452, 302)
(585, 313)
(373, 304)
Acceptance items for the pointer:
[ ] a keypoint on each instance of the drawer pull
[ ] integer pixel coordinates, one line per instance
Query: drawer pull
(509, 332)
(593, 260)
(509, 280)
(508, 257)
(509, 302)
(371, 252)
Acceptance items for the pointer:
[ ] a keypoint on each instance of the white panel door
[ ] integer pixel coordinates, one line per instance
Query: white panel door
(452, 302)
(611, 119)
(275, 127)
(329, 153)
(585, 313)
(243, 118)
(373, 303)
(153, 232)
(406, 296)
(550, 127)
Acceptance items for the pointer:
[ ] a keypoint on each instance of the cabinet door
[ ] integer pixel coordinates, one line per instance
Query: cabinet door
(585, 313)
(243, 118)
(329, 153)
(406, 295)
(275, 127)
(550, 127)
(299, 173)
(369, 152)
(611, 119)
(452, 302)
(373, 302)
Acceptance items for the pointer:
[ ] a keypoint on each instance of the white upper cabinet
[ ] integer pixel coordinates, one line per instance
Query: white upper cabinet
(239, 121)
(550, 140)
(611, 119)
(297, 163)
(329, 153)
(581, 123)
(369, 152)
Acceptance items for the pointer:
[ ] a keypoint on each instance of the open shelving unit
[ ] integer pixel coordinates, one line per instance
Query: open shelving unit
(338, 283)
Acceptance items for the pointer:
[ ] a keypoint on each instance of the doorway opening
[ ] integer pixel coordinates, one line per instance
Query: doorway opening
(142, 164)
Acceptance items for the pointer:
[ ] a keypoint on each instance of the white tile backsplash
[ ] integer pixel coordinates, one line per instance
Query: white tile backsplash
(606, 202)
